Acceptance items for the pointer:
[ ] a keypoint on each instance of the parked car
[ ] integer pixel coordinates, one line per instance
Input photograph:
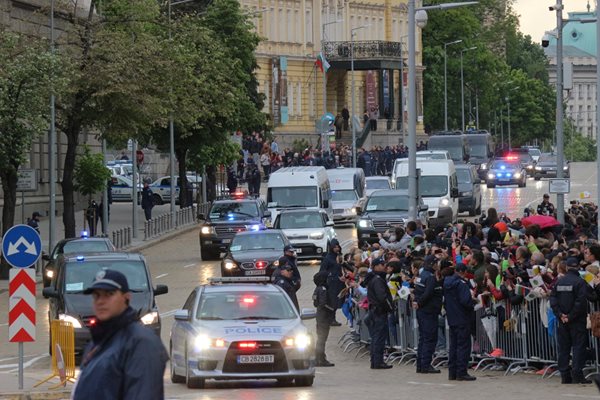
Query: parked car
(122, 188)
(161, 188)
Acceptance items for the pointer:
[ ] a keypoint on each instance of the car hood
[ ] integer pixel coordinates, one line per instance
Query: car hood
(292, 233)
(343, 204)
(254, 255)
(232, 330)
(385, 215)
(547, 164)
(236, 221)
(80, 305)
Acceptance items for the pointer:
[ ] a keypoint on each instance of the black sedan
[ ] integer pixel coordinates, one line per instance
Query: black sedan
(506, 171)
(75, 246)
(546, 167)
(254, 253)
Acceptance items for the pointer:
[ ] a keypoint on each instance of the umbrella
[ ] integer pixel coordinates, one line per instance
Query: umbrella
(544, 221)
(490, 325)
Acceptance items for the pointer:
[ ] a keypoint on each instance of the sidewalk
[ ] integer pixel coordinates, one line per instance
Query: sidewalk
(9, 387)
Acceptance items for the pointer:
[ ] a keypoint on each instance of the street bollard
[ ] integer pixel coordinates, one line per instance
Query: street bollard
(118, 243)
(128, 236)
(146, 230)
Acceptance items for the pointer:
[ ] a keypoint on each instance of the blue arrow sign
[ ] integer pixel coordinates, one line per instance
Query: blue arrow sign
(21, 246)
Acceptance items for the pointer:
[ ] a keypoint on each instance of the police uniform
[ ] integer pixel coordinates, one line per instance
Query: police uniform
(459, 312)
(568, 299)
(428, 296)
(288, 286)
(333, 268)
(325, 312)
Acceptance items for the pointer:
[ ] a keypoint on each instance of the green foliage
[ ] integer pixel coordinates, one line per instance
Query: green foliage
(577, 146)
(91, 175)
(221, 153)
(299, 145)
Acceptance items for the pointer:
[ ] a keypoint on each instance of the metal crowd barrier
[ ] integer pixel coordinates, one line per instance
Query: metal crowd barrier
(167, 222)
(506, 338)
(121, 238)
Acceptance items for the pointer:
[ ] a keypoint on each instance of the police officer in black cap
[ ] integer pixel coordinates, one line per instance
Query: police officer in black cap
(568, 301)
(380, 305)
(289, 258)
(428, 303)
(459, 303)
(331, 264)
(285, 281)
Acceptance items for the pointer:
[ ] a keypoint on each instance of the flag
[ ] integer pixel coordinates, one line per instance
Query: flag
(322, 63)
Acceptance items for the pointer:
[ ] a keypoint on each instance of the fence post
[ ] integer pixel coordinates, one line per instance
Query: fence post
(114, 239)
(128, 235)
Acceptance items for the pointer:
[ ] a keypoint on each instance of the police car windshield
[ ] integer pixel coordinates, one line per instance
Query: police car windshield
(498, 164)
(261, 241)
(378, 184)
(387, 203)
(429, 186)
(79, 275)
(343, 195)
(297, 196)
(233, 210)
(244, 305)
(85, 246)
(300, 220)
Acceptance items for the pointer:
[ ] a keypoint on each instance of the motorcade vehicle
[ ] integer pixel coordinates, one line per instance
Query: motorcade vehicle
(309, 231)
(506, 171)
(469, 189)
(348, 193)
(253, 253)
(547, 166)
(377, 183)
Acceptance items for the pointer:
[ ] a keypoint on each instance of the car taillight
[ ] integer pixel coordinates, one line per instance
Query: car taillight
(92, 321)
(247, 345)
(248, 300)
(261, 264)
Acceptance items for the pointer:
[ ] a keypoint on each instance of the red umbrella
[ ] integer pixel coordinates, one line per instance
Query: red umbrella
(544, 221)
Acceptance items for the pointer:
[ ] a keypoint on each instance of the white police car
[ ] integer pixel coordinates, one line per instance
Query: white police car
(241, 328)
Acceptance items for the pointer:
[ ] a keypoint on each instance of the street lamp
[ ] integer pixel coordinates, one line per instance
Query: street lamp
(462, 84)
(508, 102)
(325, 72)
(352, 33)
(446, 81)
(412, 96)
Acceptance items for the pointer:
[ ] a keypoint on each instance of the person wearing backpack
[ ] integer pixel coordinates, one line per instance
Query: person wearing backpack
(325, 314)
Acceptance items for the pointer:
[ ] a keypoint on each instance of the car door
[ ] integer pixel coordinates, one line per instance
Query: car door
(181, 330)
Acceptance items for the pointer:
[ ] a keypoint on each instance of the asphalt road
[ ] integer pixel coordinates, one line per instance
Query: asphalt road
(177, 264)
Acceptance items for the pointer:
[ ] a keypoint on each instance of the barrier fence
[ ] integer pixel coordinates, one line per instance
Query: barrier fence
(167, 222)
(62, 343)
(121, 238)
(509, 338)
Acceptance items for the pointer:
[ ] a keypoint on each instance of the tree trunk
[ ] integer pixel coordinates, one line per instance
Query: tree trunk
(68, 188)
(184, 195)
(9, 178)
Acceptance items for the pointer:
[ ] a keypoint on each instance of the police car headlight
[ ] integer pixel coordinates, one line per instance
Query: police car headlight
(565, 168)
(483, 166)
(300, 341)
(444, 202)
(150, 318)
(67, 318)
(316, 235)
(202, 342)
(365, 223)
(491, 176)
(49, 273)
(229, 264)
(517, 175)
(207, 230)
(538, 168)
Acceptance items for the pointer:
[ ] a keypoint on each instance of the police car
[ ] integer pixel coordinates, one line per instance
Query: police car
(241, 328)
(506, 171)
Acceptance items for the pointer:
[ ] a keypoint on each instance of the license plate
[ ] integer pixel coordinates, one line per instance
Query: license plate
(298, 251)
(256, 359)
(256, 272)
(226, 241)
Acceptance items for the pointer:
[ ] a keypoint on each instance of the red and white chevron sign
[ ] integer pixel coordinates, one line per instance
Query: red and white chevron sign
(21, 305)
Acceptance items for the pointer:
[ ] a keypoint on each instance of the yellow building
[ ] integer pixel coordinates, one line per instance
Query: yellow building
(296, 31)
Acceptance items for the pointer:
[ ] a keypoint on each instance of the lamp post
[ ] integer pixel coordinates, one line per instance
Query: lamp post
(446, 81)
(412, 96)
(352, 33)
(462, 84)
(325, 72)
(51, 155)
(508, 103)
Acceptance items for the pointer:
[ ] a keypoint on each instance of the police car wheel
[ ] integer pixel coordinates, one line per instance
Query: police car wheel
(174, 377)
(192, 382)
(305, 381)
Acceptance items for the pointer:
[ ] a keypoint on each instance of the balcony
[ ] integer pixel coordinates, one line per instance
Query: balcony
(368, 55)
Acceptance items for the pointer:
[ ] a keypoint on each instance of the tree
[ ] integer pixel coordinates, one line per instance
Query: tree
(91, 175)
(26, 81)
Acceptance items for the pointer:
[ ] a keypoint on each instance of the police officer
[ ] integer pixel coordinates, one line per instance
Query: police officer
(147, 201)
(331, 264)
(428, 303)
(380, 305)
(284, 280)
(289, 258)
(459, 303)
(545, 207)
(568, 301)
(325, 309)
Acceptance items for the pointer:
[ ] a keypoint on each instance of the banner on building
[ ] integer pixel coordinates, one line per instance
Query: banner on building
(279, 98)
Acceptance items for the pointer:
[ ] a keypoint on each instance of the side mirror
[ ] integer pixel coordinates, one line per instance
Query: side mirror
(182, 315)
(306, 313)
(329, 223)
(161, 289)
(46, 257)
(423, 207)
(454, 193)
(49, 292)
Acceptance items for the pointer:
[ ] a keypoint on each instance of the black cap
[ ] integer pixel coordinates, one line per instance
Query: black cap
(572, 262)
(35, 214)
(377, 261)
(289, 247)
(460, 267)
(429, 261)
(108, 279)
(546, 196)
(334, 243)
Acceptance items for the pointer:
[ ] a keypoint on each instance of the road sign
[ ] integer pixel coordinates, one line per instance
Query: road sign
(27, 180)
(560, 185)
(21, 314)
(21, 246)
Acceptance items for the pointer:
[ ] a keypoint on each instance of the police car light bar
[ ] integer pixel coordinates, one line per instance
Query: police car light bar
(240, 279)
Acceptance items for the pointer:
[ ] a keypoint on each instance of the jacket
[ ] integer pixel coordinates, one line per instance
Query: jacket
(457, 301)
(569, 297)
(378, 293)
(125, 360)
(147, 201)
(296, 280)
(288, 287)
(428, 292)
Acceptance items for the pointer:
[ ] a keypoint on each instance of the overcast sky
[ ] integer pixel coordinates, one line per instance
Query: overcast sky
(535, 17)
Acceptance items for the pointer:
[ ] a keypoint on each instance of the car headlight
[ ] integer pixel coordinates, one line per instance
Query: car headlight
(467, 193)
(207, 230)
(538, 168)
(444, 202)
(67, 318)
(203, 342)
(229, 264)
(483, 166)
(316, 235)
(300, 341)
(365, 223)
(517, 175)
(50, 273)
(565, 168)
(530, 167)
(351, 211)
(491, 176)
(150, 318)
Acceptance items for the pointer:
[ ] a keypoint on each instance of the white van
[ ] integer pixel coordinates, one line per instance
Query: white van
(438, 187)
(299, 187)
(348, 193)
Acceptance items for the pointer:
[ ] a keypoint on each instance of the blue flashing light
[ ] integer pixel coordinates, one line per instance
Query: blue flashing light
(508, 174)
(498, 175)
(230, 217)
(503, 167)
(80, 258)
(255, 227)
(85, 234)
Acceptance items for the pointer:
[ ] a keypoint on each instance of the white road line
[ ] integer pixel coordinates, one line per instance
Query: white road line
(161, 276)
(4, 324)
(25, 365)
(189, 265)
(431, 384)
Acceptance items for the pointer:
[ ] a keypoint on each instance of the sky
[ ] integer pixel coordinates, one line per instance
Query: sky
(535, 18)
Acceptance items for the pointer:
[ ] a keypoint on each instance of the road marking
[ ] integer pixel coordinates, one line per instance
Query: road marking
(161, 276)
(3, 324)
(189, 265)
(25, 365)
(431, 384)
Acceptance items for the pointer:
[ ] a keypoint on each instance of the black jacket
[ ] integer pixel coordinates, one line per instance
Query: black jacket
(296, 279)
(378, 293)
(458, 301)
(288, 286)
(147, 201)
(428, 292)
(125, 360)
(569, 297)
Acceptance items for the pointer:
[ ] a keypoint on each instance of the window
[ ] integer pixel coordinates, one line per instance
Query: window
(290, 90)
(299, 100)
(311, 100)
(267, 92)
(309, 30)
(273, 24)
(290, 26)
(298, 25)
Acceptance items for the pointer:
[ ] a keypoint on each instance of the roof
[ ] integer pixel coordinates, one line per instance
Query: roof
(299, 211)
(89, 239)
(298, 169)
(263, 232)
(578, 38)
(241, 287)
(464, 166)
(377, 178)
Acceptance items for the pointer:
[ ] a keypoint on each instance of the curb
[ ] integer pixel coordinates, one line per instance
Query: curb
(170, 235)
(55, 395)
